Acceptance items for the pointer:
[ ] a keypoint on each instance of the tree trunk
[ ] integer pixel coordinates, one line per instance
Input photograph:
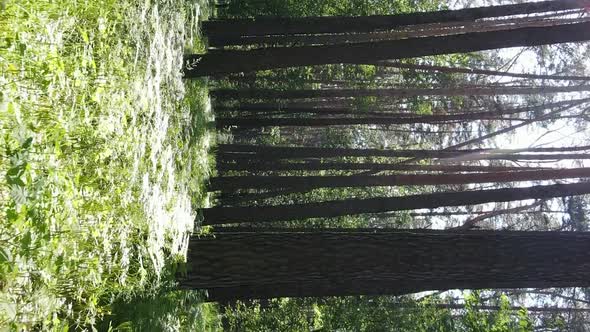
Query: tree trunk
(385, 118)
(462, 114)
(262, 26)
(453, 213)
(223, 62)
(549, 310)
(395, 92)
(367, 262)
(264, 153)
(226, 215)
(319, 166)
(303, 183)
(454, 70)
(472, 223)
(413, 31)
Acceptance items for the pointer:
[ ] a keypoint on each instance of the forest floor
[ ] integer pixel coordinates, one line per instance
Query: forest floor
(104, 156)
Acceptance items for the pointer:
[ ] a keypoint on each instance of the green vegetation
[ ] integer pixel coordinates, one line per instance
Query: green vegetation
(104, 156)
(104, 152)
(378, 313)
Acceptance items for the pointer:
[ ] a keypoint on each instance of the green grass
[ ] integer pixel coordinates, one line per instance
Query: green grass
(103, 152)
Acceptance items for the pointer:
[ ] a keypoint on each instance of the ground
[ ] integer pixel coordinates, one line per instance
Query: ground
(103, 157)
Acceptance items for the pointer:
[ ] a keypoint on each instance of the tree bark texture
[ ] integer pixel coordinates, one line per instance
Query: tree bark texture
(394, 92)
(231, 183)
(263, 153)
(262, 26)
(328, 209)
(455, 70)
(225, 62)
(462, 114)
(404, 32)
(362, 262)
(319, 166)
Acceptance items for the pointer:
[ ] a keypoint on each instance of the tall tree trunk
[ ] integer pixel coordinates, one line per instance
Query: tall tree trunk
(303, 183)
(392, 118)
(220, 62)
(462, 114)
(454, 70)
(472, 223)
(319, 166)
(264, 153)
(456, 213)
(368, 262)
(395, 92)
(549, 310)
(262, 26)
(413, 31)
(226, 215)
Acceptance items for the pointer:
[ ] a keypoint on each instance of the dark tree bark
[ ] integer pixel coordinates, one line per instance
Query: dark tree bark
(368, 262)
(454, 213)
(302, 183)
(391, 119)
(454, 70)
(223, 62)
(403, 32)
(249, 122)
(549, 310)
(395, 92)
(262, 26)
(472, 223)
(260, 153)
(319, 166)
(463, 114)
(227, 215)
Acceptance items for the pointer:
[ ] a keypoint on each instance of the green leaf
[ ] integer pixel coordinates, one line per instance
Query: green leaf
(16, 172)
(4, 256)
(59, 262)
(19, 193)
(27, 143)
(84, 35)
(25, 242)
(11, 215)
(126, 326)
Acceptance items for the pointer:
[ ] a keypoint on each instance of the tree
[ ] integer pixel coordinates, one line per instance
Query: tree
(223, 62)
(367, 261)
(225, 215)
(396, 92)
(262, 166)
(453, 70)
(308, 182)
(258, 153)
(222, 31)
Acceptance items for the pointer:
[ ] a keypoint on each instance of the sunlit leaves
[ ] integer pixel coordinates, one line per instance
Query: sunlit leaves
(76, 129)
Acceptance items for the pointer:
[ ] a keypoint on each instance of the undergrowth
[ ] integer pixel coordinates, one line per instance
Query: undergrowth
(103, 152)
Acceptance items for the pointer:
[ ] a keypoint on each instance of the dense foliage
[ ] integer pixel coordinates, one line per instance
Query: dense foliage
(102, 158)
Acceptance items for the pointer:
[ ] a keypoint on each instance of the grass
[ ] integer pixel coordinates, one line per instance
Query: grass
(103, 152)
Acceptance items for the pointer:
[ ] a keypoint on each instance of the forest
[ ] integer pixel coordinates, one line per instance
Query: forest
(294, 165)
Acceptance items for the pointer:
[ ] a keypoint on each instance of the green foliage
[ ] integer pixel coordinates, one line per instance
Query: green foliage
(167, 310)
(374, 313)
(277, 315)
(102, 159)
(503, 320)
(383, 313)
(299, 8)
